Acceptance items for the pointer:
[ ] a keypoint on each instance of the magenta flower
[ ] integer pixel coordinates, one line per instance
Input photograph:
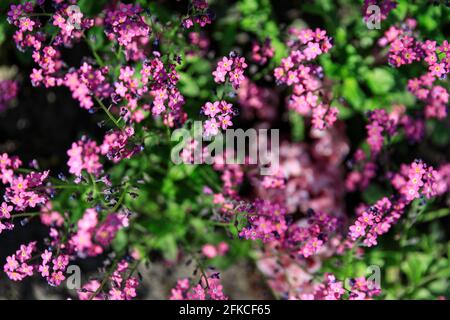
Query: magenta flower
(26, 24)
(5, 210)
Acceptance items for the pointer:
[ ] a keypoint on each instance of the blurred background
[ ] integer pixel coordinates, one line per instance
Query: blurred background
(41, 123)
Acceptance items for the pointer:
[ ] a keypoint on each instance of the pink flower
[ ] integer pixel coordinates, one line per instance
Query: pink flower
(88, 290)
(225, 64)
(236, 77)
(36, 77)
(44, 270)
(188, 23)
(211, 109)
(232, 67)
(438, 69)
(5, 210)
(46, 256)
(209, 251)
(222, 248)
(26, 24)
(84, 155)
(121, 90)
(11, 264)
(115, 294)
(57, 278)
(219, 75)
(225, 121)
(211, 127)
(357, 230)
(312, 51)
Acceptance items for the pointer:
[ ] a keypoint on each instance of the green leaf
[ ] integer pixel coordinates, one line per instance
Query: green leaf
(188, 86)
(353, 93)
(120, 241)
(415, 266)
(297, 126)
(379, 80)
(433, 215)
(374, 192)
(2, 33)
(439, 133)
(168, 246)
(181, 171)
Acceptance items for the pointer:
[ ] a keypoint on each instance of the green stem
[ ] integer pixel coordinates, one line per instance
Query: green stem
(94, 185)
(94, 52)
(60, 186)
(219, 224)
(202, 270)
(108, 113)
(413, 214)
(132, 270)
(105, 279)
(26, 214)
(121, 198)
(42, 14)
(213, 184)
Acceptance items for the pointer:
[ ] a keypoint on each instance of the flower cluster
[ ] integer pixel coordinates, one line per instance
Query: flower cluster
(209, 288)
(220, 114)
(379, 124)
(22, 191)
(117, 145)
(333, 289)
(364, 170)
(268, 221)
(230, 68)
(312, 173)
(412, 182)
(434, 97)
(54, 274)
(405, 48)
(8, 91)
(17, 267)
(381, 127)
(69, 19)
(84, 155)
(314, 235)
(375, 221)
(305, 78)
(70, 23)
(416, 180)
(257, 101)
(122, 286)
(125, 24)
(162, 81)
(262, 52)
(87, 81)
(92, 235)
(199, 13)
(210, 251)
